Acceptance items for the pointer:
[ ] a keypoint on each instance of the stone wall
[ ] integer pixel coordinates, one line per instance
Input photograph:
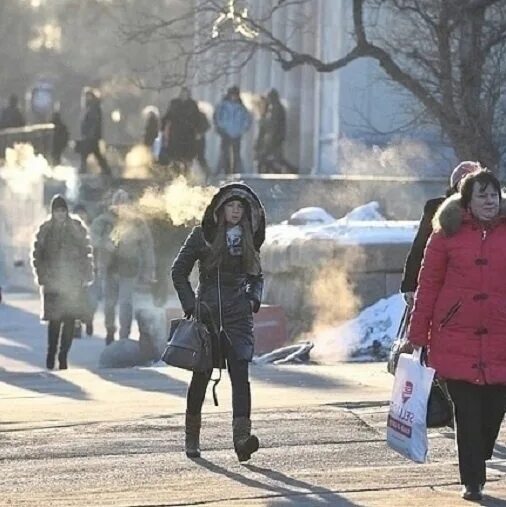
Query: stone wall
(372, 272)
(400, 198)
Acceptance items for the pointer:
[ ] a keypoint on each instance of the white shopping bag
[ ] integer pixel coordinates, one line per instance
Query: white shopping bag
(406, 424)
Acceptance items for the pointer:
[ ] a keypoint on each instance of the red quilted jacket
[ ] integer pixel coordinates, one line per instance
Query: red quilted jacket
(460, 303)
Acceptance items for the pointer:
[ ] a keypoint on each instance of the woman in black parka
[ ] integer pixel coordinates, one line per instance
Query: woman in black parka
(226, 247)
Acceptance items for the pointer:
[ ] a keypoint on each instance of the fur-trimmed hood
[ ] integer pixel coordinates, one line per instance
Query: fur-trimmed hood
(451, 215)
(255, 208)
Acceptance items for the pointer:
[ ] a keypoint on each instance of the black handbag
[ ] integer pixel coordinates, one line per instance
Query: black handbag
(440, 406)
(189, 345)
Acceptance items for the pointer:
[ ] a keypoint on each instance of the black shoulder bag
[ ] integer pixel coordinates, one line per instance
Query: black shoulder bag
(190, 343)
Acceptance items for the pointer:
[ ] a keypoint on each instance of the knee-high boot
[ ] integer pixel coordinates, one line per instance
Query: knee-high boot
(192, 435)
(245, 444)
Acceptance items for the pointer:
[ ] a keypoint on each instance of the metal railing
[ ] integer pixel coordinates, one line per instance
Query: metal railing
(40, 136)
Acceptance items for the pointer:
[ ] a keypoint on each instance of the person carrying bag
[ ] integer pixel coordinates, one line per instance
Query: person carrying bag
(459, 314)
(226, 247)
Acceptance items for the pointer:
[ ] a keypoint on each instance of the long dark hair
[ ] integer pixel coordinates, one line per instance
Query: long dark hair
(250, 257)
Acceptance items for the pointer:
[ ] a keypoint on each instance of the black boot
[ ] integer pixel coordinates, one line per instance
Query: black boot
(66, 342)
(472, 492)
(245, 444)
(192, 435)
(109, 337)
(53, 333)
(89, 328)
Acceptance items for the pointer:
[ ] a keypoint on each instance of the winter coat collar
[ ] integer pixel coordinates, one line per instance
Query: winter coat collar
(451, 215)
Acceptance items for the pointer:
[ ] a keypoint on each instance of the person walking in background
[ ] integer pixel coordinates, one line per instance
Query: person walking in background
(125, 257)
(93, 292)
(151, 125)
(180, 125)
(11, 116)
(60, 138)
(63, 266)
(202, 128)
(459, 313)
(415, 255)
(275, 132)
(226, 247)
(232, 120)
(91, 133)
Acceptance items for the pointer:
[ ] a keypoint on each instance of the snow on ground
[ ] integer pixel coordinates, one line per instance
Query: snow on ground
(366, 337)
(363, 225)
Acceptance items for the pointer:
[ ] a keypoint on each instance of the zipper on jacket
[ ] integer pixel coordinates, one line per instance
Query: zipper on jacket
(450, 314)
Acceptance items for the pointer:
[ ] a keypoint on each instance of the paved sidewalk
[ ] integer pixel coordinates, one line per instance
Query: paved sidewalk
(92, 437)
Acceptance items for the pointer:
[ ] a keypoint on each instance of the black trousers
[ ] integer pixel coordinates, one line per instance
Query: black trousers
(238, 371)
(55, 328)
(92, 147)
(479, 411)
(231, 154)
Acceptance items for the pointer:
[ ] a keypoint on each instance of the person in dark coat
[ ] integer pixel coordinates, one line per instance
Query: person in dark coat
(63, 266)
(226, 247)
(91, 133)
(151, 125)
(60, 138)
(180, 126)
(459, 314)
(415, 255)
(11, 116)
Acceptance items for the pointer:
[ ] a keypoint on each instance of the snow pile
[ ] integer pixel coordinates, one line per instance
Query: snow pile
(365, 213)
(312, 215)
(362, 225)
(366, 337)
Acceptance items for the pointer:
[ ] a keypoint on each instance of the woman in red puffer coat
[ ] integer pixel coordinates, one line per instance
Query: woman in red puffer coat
(460, 315)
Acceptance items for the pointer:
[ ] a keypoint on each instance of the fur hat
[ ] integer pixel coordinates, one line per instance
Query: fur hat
(254, 208)
(58, 202)
(463, 169)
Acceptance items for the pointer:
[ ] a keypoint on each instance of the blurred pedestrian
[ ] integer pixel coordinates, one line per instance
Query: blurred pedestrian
(151, 125)
(180, 125)
(125, 258)
(11, 116)
(226, 248)
(459, 315)
(232, 120)
(60, 138)
(91, 134)
(62, 261)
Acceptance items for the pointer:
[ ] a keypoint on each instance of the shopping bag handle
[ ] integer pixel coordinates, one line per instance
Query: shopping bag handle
(420, 355)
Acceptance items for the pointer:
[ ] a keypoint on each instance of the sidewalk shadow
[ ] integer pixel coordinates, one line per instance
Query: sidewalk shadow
(288, 486)
(43, 383)
(143, 379)
(294, 377)
(26, 348)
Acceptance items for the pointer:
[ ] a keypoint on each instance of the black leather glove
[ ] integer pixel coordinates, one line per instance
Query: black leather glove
(188, 313)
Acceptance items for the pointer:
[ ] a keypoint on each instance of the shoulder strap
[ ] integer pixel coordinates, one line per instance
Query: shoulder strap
(217, 381)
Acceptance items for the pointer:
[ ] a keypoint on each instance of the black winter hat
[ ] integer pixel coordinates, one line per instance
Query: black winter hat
(58, 201)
